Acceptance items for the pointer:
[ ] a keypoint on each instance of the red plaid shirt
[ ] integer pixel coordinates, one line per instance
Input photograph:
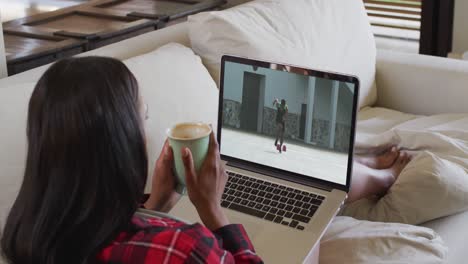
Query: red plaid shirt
(164, 240)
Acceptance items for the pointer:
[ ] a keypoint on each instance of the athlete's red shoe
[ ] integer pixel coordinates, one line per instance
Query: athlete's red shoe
(284, 148)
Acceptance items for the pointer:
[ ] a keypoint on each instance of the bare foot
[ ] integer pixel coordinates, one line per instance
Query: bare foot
(373, 182)
(401, 162)
(389, 176)
(381, 161)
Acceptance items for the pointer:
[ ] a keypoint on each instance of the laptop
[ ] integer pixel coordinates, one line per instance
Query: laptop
(286, 134)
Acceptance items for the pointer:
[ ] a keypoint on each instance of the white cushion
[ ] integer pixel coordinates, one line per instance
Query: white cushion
(14, 102)
(454, 231)
(410, 82)
(330, 35)
(177, 88)
(352, 241)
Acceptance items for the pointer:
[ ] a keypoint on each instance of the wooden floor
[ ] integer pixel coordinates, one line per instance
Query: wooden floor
(38, 32)
(36, 43)
(13, 9)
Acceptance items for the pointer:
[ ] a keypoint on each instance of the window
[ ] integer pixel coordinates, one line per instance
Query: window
(396, 23)
(423, 26)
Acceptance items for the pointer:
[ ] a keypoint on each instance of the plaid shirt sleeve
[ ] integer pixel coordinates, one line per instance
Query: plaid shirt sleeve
(163, 240)
(234, 239)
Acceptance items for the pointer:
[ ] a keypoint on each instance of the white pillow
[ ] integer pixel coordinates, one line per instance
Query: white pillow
(428, 188)
(351, 241)
(14, 102)
(177, 88)
(330, 35)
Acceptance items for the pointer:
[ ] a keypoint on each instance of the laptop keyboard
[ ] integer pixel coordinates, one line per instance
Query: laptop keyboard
(276, 203)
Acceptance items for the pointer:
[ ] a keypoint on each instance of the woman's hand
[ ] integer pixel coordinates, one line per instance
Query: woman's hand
(163, 195)
(206, 188)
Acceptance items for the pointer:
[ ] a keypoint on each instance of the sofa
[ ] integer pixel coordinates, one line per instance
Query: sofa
(408, 83)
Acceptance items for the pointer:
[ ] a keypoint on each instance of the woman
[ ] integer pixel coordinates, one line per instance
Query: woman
(85, 173)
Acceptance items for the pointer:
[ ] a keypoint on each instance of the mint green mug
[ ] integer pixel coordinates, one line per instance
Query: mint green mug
(196, 137)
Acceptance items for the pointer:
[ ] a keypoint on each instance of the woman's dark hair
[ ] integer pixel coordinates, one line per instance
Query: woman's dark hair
(86, 165)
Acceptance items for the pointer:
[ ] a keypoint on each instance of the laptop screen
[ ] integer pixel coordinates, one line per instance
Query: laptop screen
(288, 118)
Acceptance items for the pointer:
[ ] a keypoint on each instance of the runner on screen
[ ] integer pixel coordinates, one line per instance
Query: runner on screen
(281, 113)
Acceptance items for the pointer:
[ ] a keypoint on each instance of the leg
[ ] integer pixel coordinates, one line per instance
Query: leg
(277, 134)
(282, 135)
(368, 181)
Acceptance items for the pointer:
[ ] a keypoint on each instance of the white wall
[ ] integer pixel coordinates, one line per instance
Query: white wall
(323, 93)
(323, 90)
(278, 84)
(293, 88)
(3, 67)
(460, 27)
(233, 78)
(345, 104)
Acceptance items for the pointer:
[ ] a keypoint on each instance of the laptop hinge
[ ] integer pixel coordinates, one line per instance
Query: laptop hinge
(278, 175)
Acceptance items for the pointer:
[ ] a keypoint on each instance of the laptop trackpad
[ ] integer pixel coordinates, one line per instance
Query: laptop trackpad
(186, 211)
(251, 224)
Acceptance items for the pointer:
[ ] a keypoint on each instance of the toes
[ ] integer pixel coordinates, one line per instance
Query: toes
(402, 158)
(391, 154)
(408, 158)
(405, 158)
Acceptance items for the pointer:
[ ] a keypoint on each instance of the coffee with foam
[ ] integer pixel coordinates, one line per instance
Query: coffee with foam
(186, 131)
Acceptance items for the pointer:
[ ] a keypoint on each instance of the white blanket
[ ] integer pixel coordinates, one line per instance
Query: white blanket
(441, 134)
(435, 183)
(357, 242)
